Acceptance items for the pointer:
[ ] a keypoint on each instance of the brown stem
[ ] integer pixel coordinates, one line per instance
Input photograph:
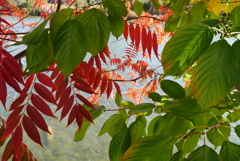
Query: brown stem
(59, 6)
(20, 55)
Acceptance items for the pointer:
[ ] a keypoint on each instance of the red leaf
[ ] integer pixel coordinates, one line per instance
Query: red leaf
(85, 101)
(91, 77)
(84, 88)
(109, 88)
(131, 31)
(61, 89)
(44, 79)
(37, 118)
(155, 44)
(29, 80)
(90, 63)
(17, 102)
(17, 141)
(31, 130)
(13, 61)
(3, 91)
(106, 51)
(118, 88)
(103, 85)
(125, 33)
(8, 151)
(4, 21)
(98, 62)
(55, 73)
(85, 113)
(149, 43)
(144, 39)
(59, 80)
(67, 107)
(79, 80)
(41, 105)
(11, 126)
(97, 80)
(52, 66)
(44, 93)
(72, 115)
(79, 119)
(15, 113)
(137, 36)
(103, 57)
(64, 98)
(11, 81)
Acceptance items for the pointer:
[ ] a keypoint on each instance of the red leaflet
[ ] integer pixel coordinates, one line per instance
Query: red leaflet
(52, 66)
(98, 62)
(61, 89)
(17, 102)
(91, 77)
(149, 43)
(155, 44)
(85, 113)
(97, 80)
(103, 85)
(72, 115)
(85, 101)
(55, 73)
(59, 80)
(3, 91)
(144, 39)
(84, 88)
(13, 61)
(103, 57)
(90, 63)
(44, 93)
(11, 126)
(137, 36)
(109, 88)
(78, 80)
(15, 113)
(41, 105)
(64, 98)
(7, 151)
(131, 31)
(118, 88)
(31, 130)
(67, 107)
(44, 79)
(106, 51)
(125, 33)
(29, 80)
(79, 119)
(2, 20)
(79, 72)
(17, 141)
(37, 118)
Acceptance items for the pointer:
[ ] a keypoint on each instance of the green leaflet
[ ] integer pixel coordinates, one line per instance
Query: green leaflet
(155, 97)
(116, 8)
(156, 4)
(198, 12)
(230, 151)
(97, 28)
(236, 50)
(58, 20)
(137, 128)
(79, 135)
(173, 22)
(138, 8)
(159, 148)
(183, 49)
(219, 135)
(118, 99)
(179, 6)
(140, 108)
(127, 104)
(234, 116)
(70, 47)
(237, 130)
(204, 153)
(152, 124)
(178, 156)
(119, 144)
(172, 89)
(234, 16)
(117, 25)
(215, 74)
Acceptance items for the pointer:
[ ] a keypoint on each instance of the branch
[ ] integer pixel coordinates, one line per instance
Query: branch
(59, 6)
(19, 33)
(20, 55)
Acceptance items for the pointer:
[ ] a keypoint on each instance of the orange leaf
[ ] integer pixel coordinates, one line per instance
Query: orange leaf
(118, 88)
(44, 93)
(67, 107)
(17, 141)
(109, 88)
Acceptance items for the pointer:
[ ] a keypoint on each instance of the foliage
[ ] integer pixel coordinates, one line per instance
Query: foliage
(60, 73)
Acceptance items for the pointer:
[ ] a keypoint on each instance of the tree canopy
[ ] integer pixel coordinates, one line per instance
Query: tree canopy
(64, 74)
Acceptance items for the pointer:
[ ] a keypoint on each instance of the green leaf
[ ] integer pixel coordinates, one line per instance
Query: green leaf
(58, 20)
(116, 8)
(127, 104)
(172, 23)
(117, 25)
(70, 47)
(235, 16)
(97, 28)
(156, 4)
(178, 156)
(211, 22)
(217, 136)
(137, 129)
(141, 108)
(152, 125)
(230, 151)
(118, 99)
(179, 6)
(215, 74)
(79, 135)
(198, 12)
(152, 148)
(35, 36)
(138, 7)
(237, 130)
(184, 48)
(119, 144)
(204, 153)
(172, 89)
(234, 116)
(155, 97)
(186, 108)
(236, 50)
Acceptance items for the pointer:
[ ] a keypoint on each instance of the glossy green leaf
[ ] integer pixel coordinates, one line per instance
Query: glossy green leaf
(118, 99)
(217, 136)
(127, 104)
(137, 130)
(152, 125)
(236, 50)
(70, 47)
(159, 148)
(234, 116)
(184, 48)
(235, 16)
(117, 25)
(204, 153)
(155, 97)
(186, 108)
(141, 108)
(95, 113)
(230, 151)
(173, 23)
(178, 156)
(198, 12)
(211, 22)
(237, 130)
(119, 144)
(215, 74)
(116, 8)
(58, 20)
(172, 89)
(97, 28)
(138, 7)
